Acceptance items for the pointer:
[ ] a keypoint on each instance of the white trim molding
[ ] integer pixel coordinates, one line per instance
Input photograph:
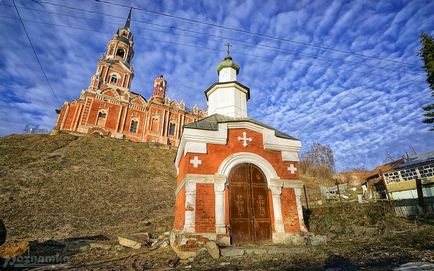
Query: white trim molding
(247, 157)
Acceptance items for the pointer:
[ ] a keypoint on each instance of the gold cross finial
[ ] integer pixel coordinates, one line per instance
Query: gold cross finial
(229, 48)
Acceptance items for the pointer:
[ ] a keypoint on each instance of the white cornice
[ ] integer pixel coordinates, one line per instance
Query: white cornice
(226, 85)
(289, 148)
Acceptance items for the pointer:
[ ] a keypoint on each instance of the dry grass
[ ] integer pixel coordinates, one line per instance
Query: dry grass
(54, 187)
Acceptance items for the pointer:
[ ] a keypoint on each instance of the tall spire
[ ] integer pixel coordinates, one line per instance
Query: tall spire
(128, 22)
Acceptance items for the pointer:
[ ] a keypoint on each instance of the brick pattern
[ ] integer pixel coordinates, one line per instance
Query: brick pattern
(289, 210)
(179, 221)
(205, 208)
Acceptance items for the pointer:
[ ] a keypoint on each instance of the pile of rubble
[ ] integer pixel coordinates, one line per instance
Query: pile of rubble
(134, 241)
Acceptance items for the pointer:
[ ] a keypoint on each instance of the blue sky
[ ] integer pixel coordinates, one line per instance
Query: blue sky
(363, 107)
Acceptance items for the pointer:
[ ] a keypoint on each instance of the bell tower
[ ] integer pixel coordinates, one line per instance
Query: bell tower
(227, 96)
(114, 68)
(159, 93)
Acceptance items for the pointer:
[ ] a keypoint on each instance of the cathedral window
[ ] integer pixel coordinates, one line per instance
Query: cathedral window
(113, 79)
(120, 53)
(133, 126)
(172, 129)
(102, 116)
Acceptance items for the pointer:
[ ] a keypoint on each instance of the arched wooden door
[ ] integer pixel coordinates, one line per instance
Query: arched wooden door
(249, 215)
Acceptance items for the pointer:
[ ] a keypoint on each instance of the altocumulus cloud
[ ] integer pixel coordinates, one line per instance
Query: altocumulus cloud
(361, 107)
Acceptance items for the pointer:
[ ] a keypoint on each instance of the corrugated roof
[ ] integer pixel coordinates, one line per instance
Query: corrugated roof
(211, 123)
(420, 158)
(384, 168)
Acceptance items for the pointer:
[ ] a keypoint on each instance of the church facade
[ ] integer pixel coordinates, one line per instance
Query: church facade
(108, 107)
(238, 179)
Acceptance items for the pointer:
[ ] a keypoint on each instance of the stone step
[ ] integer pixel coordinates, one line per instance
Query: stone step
(258, 250)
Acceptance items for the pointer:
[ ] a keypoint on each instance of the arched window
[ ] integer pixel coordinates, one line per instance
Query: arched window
(172, 127)
(120, 52)
(133, 126)
(102, 116)
(113, 79)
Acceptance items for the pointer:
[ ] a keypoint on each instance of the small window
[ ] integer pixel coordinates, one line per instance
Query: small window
(133, 126)
(120, 53)
(172, 129)
(101, 118)
(113, 79)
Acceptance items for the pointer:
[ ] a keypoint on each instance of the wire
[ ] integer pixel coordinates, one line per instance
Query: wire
(216, 36)
(207, 48)
(252, 33)
(34, 52)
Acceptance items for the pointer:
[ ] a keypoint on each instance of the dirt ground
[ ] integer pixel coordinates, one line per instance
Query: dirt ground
(385, 253)
(62, 193)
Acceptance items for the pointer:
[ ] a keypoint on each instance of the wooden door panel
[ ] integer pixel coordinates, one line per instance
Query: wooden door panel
(248, 205)
(260, 202)
(262, 232)
(239, 201)
(261, 214)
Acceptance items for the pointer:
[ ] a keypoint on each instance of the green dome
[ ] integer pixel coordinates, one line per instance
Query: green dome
(228, 63)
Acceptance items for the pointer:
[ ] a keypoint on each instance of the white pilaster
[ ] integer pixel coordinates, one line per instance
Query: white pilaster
(276, 190)
(190, 206)
(219, 190)
(297, 191)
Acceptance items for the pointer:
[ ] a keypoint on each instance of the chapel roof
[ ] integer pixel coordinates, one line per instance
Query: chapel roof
(211, 123)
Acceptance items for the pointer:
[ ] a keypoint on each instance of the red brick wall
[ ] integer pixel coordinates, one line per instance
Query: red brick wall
(289, 210)
(180, 210)
(205, 208)
(70, 116)
(112, 125)
(61, 116)
(217, 153)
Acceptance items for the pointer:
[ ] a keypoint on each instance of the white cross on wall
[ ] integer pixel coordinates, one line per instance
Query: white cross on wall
(292, 168)
(245, 139)
(195, 161)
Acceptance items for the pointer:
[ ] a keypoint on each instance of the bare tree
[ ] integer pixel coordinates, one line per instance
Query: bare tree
(318, 161)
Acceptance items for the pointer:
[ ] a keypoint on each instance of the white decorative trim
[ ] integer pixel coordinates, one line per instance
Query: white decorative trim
(196, 178)
(195, 147)
(290, 156)
(272, 142)
(190, 207)
(192, 137)
(226, 85)
(196, 162)
(291, 183)
(292, 168)
(219, 190)
(245, 139)
(299, 209)
(247, 157)
(288, 147)
(276, 191)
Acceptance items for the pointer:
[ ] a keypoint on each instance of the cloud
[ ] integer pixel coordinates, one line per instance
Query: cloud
(360, 106)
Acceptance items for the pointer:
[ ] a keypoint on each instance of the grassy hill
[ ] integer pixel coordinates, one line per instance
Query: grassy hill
(55, 187)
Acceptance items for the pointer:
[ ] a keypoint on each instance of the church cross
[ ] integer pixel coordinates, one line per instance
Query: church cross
(292, 168)
(245, 139)
(229, 47)
(195, 161)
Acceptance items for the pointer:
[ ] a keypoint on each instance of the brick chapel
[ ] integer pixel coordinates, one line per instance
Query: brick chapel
(108, 106)
(238, 179)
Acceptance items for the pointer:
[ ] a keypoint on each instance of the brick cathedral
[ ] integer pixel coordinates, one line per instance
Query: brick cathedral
(108, 106)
